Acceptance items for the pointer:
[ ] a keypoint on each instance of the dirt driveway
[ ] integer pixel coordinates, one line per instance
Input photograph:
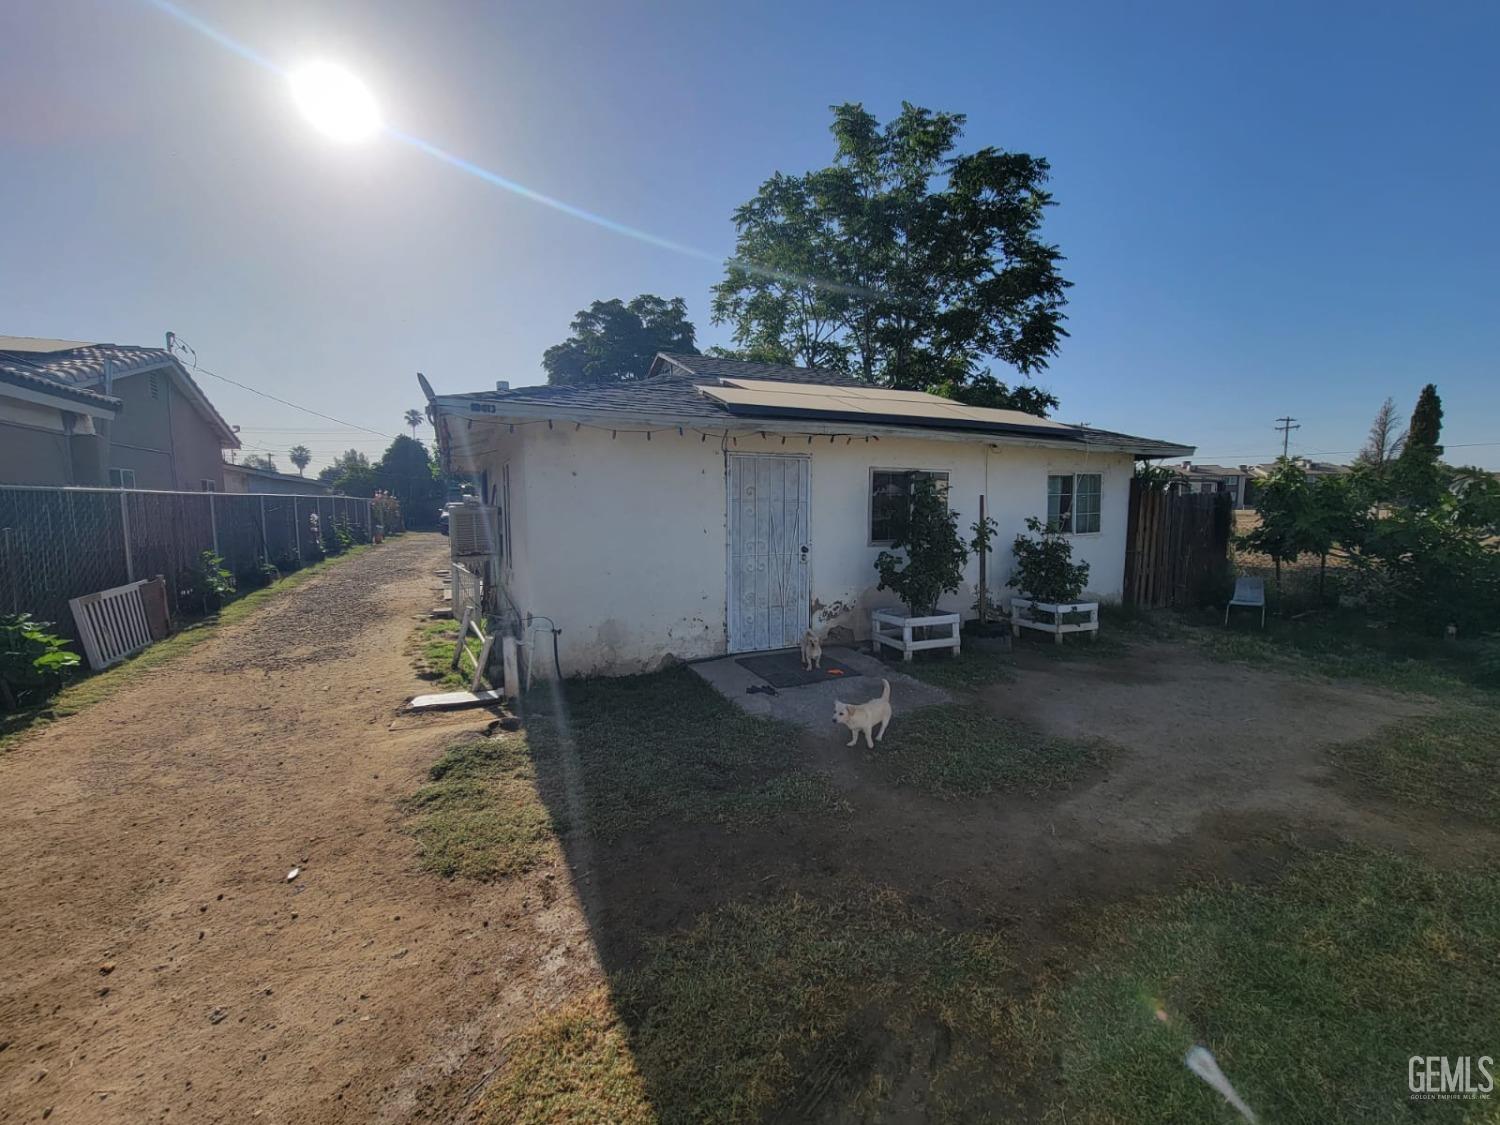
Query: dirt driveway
(154, 833)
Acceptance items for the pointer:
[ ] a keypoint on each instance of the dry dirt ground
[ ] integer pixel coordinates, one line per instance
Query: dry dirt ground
(154, 833)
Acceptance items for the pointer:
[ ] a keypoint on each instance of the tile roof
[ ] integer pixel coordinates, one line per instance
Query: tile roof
(21, 374)
(81, 368)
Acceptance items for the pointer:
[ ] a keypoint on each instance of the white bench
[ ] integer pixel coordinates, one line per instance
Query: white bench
(897, 634)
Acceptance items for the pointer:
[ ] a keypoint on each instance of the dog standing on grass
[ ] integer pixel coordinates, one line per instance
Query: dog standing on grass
(861, 718)
(812, 651)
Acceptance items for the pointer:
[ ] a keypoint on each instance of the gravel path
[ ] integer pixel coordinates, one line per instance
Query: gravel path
(156, 964)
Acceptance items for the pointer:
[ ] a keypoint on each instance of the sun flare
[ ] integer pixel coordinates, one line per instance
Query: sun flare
(335, 101)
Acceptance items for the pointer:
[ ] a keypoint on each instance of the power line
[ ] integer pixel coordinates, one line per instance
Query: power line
(263, 394)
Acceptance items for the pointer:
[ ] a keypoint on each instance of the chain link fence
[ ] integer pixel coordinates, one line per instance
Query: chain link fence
(61, 543)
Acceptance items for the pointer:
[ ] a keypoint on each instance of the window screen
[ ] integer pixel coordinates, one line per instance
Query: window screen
(1086, 502)
(1073, 503)
(890, 499)
(1060, 504)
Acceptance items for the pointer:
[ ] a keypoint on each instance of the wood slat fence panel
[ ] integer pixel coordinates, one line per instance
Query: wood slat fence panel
(1176, 548)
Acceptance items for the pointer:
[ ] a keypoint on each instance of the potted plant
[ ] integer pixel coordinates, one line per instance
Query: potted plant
(932, 565)
(1050, 584)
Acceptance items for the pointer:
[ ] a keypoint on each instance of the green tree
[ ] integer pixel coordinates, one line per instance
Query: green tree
(407, 471)
(1285, 504)
(350, 473)
(934, 555)
(260, 461)
(1419, 478)
(615, 341)
(413, 419)
(301, 456)
(903, 262)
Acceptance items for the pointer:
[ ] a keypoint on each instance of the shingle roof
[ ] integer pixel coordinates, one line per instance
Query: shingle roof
(672, 394)
(663, 395)
(81, 368)
(715, 367)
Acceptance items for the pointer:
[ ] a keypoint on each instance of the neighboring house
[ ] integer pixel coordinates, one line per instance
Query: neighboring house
(722, 506)
(245, 478)
(1191, 478)
(149, 424)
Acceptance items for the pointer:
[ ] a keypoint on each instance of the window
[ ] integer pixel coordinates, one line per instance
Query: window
(1073, 503)
(155, 385)
(207, 485)
(122, 478)
(890, 499)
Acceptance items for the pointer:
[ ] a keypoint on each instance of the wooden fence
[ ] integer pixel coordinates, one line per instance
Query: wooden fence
(61, 543)
(1177, 548)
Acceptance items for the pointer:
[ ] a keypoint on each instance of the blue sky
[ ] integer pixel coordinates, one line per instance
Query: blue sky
(1266, 209)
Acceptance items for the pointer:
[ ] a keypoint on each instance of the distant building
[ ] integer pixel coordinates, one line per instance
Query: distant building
(1198, 479)
(112, 415)
(246, 478)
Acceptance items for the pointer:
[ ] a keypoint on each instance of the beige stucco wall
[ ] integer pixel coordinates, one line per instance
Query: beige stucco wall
(33, 454)
(165, 439)
(623, 542)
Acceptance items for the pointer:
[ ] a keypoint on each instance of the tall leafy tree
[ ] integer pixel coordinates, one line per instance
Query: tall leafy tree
(614, 341)
(904, 262)
(413, 419)
(301, 456)
(407, 470)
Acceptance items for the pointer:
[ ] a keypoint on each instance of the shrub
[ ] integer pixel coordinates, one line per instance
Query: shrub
(935, 556)
(1045, 570)
(287, 562)
(343, 533)
(209, 583)
(33, 662)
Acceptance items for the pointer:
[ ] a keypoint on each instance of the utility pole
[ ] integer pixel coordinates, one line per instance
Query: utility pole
(1286, 426)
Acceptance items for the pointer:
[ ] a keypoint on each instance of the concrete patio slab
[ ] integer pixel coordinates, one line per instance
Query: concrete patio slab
(811, 706)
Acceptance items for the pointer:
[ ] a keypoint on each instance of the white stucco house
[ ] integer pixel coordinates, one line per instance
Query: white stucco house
(721, 506)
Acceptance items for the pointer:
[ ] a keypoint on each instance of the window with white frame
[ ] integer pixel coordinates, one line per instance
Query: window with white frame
(1073, 503)
(122, 478)
(890, 499)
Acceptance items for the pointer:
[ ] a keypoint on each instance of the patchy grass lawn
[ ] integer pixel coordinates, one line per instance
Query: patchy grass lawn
(96, 687)
(480, 814)
(667, 746)
(968, 671)
(1343, 647)
(1311, 993)
(1448, 762)
(961, 750)
(432, 644)
(779, 1009)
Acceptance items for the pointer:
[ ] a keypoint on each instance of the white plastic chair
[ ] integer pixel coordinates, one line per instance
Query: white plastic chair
(1248, 592)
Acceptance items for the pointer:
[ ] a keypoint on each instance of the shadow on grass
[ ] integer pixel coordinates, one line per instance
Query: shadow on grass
(771, 955)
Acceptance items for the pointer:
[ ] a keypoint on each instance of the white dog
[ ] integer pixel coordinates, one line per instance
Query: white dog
(862, 717)
(812, 651)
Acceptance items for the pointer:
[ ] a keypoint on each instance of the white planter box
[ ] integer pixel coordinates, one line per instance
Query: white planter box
(1020, 618)
(890, 627)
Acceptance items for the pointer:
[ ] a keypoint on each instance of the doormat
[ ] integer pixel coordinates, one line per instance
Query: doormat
(784, 669)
